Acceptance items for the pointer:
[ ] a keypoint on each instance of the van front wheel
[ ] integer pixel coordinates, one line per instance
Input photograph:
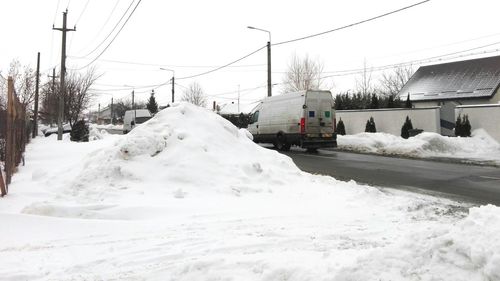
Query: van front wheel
(281, 143)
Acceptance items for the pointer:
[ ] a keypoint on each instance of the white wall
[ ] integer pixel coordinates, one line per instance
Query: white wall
(486, 117)
(391, 120)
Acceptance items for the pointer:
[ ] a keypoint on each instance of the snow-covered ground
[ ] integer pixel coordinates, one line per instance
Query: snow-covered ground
(480, 148)
(187, 196)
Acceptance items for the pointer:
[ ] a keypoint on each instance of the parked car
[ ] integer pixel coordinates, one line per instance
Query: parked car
(54, 130)
(134, 117)
(305, 119)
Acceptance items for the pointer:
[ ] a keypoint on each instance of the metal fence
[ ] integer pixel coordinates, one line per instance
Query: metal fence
(14, 135)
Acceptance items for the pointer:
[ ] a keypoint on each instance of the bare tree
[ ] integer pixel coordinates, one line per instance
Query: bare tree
(194, 94)
(394, 81)
(364, 83)
(24, 78)
(303, 74)
(78, 95)
(3, 93)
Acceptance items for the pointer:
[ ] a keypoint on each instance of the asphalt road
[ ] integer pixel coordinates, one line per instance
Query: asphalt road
(475, 184)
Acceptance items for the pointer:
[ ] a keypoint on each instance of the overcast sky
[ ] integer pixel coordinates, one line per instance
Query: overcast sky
(194, 36)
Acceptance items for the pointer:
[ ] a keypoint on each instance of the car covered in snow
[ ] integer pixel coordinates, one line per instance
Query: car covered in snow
(54, 130)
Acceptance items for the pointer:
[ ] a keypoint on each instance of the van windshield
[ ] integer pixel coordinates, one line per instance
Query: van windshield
(140, 120)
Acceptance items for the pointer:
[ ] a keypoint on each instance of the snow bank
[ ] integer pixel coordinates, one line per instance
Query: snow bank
(467, 250)
(480, 147)
(188, 196)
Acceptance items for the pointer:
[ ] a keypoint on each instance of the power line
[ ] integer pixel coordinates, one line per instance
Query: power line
(107, 20)
(439, 46)
(112, 30)
(224, 66)
(83, 11)
(57, 9)
(166, 65)
(352, 24)
(112, 40)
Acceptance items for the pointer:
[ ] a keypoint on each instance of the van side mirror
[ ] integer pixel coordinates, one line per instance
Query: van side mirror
(132, 123)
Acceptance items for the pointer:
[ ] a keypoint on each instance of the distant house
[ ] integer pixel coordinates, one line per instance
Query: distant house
(452, 84)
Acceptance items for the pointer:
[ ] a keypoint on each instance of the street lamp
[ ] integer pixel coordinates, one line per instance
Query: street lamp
(173, 81)
(133, 104)
(269, 90)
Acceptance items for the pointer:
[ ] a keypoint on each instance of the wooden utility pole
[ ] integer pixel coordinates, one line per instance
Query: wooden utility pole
(35, 118)
(53, 88)
(269, 84)
(63, 73)
(173, 88)
(111, 111)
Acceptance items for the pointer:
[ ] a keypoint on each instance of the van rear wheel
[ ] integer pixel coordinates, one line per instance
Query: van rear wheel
(281, 143)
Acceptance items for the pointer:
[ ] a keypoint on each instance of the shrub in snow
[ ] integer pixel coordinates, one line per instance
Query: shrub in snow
(80, 132)
(467, 127)
(341, 127)
(370, 126)
(462, 126)
(407, 126)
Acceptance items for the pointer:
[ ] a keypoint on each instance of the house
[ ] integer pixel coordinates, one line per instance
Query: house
(448, 85)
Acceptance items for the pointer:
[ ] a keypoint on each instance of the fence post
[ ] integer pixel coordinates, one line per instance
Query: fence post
(3, 186)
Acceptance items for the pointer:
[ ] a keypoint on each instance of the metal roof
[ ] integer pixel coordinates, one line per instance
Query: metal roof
(477, 78)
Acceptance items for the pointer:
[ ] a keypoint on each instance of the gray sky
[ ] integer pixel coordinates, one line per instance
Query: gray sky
(194, 36)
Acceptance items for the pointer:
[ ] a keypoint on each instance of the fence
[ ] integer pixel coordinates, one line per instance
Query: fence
(484, 116)
(14, 134)
(390, 120)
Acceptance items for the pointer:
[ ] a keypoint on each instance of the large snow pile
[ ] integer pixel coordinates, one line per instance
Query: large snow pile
(187, 196)
(480, 147)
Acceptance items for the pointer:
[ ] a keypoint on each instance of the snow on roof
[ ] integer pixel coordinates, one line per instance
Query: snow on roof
(230, 108)
(476, 78)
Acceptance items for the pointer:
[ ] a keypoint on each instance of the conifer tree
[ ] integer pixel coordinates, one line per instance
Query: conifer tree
(152, 106)
(390, 102)
(407, 126)
(341, 127)
(370, 126)
(408, 102)
(374, 104)
(466, 127)
(458, 126)
(79, 132)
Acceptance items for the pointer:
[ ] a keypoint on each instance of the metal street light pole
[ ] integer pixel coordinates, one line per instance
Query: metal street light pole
(173, 82)
(269, 85)
(133, 101)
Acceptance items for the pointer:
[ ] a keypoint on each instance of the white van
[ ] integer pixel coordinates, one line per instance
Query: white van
(305, 119)
(134, 117)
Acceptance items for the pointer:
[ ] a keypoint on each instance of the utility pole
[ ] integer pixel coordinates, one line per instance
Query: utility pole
(53, 90)
(173, 91)
(63, 72)
(111, 111)
(133, 106)
(269, 90)
(269, 85)
(35, 118)
(238, 98)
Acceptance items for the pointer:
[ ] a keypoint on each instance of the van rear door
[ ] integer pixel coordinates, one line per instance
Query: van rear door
(319, 114)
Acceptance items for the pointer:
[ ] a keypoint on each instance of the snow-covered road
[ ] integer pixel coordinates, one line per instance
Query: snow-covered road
(187, 196)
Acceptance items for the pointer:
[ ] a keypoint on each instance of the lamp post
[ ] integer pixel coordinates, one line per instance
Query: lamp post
(133, 103)
(173, 82)
(269, 89)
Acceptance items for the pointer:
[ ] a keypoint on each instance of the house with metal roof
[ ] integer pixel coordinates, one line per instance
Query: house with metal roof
(452, 84)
